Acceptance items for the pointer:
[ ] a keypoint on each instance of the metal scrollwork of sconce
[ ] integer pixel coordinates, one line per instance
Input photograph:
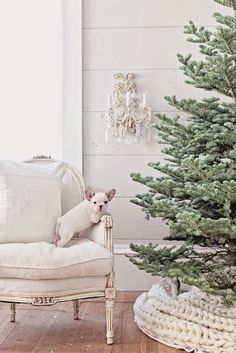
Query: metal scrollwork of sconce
(127, 117)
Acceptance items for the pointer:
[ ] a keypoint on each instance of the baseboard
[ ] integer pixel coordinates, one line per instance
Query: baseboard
(122, 249)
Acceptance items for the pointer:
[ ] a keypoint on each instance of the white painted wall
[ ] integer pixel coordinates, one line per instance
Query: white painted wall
(72, 82)
(143, 37)
(30, 79)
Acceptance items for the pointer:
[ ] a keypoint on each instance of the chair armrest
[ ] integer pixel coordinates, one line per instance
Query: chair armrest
(101, 233)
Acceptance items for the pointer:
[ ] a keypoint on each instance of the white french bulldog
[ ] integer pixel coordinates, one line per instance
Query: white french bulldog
(82, 216)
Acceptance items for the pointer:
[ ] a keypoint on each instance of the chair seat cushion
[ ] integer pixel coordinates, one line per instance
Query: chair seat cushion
(45, 261)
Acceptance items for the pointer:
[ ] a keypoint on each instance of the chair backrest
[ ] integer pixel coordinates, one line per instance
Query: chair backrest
(73, 188)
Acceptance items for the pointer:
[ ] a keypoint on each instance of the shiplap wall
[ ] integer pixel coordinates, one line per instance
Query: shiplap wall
(140, 36)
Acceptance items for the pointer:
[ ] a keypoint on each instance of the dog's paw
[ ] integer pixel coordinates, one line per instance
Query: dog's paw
(95, 218)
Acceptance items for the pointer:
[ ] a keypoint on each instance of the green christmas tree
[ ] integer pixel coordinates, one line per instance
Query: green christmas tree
(196, 194)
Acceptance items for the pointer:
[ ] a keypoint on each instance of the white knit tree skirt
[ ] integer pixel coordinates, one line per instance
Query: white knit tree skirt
(192, 321)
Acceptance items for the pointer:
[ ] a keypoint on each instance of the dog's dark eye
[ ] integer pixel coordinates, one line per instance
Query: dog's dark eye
(95, 202)
(105, 201)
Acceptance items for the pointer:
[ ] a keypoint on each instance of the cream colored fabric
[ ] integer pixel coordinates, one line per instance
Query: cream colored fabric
(46, 261)
(11, 287)
(29, 207)
(192, 321)
(72, 189)
(30, 199)
(33, 195)
(55, 169)
(73, 186)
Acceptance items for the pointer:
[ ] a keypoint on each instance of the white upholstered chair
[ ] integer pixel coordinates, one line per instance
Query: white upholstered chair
(41, 274)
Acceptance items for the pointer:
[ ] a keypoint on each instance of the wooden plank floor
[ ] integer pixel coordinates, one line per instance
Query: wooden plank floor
(53, 329)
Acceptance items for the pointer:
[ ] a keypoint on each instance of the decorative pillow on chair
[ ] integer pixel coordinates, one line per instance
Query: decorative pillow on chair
(29, 204)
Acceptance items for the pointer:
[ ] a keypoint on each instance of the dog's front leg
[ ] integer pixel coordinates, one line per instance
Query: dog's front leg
(95, 218)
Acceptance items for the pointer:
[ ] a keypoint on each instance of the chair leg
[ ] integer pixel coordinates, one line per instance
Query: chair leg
(76, 309)
(110, 303)
(12, 312)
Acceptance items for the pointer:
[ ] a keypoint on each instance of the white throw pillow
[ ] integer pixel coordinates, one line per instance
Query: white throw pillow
(30, 203)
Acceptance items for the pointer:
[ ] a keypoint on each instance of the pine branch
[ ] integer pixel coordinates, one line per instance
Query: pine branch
(228, 3)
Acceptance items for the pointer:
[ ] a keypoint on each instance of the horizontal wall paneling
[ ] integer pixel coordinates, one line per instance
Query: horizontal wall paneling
(157, 84)
(143, 13)
(135, 48)
(143, 37)
(130, 222)
(113, 172)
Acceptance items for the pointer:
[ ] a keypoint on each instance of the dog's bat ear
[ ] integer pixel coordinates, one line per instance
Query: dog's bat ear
(89, 194)
(110, 194)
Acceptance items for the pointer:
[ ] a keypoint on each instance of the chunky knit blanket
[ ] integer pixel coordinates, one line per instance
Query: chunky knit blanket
(192, 320)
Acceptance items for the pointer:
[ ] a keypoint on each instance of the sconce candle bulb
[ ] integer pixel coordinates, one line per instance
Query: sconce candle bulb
(144, 100)
(108, 101)
(127, 98)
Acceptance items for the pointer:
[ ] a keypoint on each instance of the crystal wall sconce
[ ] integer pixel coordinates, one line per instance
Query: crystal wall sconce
(127, 117)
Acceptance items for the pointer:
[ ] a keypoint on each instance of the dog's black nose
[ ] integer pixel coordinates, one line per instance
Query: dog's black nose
(100, 207)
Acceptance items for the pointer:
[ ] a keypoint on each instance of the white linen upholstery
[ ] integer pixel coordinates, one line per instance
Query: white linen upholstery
(29, 208)
(11, 287)
(32, 197)
(73, 188)
(30, 200)
(55, 169)
(42, 260)
(72, 193)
